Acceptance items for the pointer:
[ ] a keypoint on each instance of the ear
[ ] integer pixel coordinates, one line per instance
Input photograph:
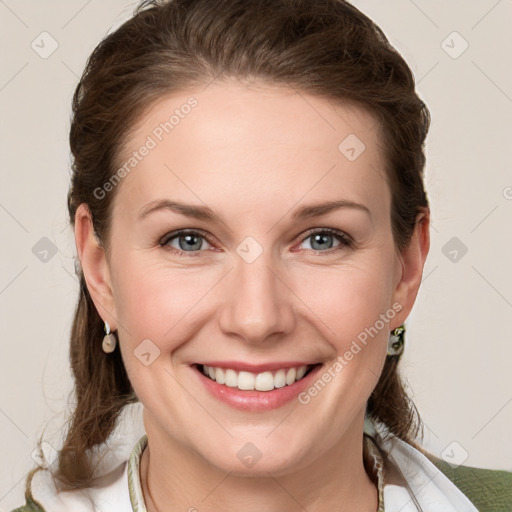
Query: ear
(412, 260)
(94, 265)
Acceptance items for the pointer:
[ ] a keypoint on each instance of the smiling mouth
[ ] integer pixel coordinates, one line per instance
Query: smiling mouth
(248, 381)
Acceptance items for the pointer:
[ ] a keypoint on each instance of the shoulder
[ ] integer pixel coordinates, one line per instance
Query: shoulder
(490, 490)
(109, 494)
(30, 506)
(434, 482)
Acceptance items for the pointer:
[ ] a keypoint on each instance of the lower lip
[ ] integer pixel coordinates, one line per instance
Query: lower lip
(257, 400)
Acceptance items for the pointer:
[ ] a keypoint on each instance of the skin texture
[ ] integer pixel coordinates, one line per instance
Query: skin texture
(254, 154)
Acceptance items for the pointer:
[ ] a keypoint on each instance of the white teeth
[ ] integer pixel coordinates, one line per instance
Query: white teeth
(231, 378)
(300, 372)
(264, 381)
(290, 376)
(247, 381)
(219, 375)
(280, 379)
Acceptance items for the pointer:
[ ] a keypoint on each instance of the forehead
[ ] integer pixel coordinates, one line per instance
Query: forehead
(258, 143)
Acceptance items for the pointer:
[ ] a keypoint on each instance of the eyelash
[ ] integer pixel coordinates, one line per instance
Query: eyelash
(345, 240)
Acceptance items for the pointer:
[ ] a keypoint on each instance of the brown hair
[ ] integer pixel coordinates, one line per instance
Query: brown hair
(326, 48)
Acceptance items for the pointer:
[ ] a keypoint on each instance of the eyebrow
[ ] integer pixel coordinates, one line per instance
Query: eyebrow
(205, 213)
(315, 210)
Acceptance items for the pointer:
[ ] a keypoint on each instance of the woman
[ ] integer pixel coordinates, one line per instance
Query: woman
(251, 225)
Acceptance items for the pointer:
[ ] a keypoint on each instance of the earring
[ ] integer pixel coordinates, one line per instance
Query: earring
(396, 341)
(109, 340)
(369, 428)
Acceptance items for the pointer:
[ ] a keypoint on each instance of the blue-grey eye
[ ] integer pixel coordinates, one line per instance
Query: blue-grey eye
(323, 240)
(189, 242)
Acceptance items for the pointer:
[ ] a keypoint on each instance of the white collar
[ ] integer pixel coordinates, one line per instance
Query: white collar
(432, 490)
(119, 490)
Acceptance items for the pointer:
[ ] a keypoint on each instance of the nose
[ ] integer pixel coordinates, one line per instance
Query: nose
(257, 304)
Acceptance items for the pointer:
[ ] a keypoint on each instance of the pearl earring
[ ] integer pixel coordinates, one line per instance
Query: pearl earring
(109, 340)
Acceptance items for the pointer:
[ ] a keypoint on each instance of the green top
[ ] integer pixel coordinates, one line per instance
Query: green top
(490, 490)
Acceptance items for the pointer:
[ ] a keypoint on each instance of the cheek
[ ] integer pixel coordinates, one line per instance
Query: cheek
(155, 302)
(350, 299)
(160, 305)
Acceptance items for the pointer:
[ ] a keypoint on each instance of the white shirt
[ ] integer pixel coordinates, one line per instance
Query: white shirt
(119, 488)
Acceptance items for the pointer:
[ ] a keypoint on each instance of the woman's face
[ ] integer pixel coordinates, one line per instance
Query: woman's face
(288, 260)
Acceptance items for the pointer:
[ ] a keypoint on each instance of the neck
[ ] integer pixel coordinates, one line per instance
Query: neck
(178, 479)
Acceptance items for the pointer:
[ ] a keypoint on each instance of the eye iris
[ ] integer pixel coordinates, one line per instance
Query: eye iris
(188, 242)
(191, 242)
(323, 240)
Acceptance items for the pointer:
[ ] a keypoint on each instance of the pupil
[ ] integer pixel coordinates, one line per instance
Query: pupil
(191, 242)
(322, 240)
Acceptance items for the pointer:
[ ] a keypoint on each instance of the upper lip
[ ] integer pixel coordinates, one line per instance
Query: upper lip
(240, 366)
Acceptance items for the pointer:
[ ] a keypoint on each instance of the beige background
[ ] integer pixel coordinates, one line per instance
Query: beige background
(459, 350)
